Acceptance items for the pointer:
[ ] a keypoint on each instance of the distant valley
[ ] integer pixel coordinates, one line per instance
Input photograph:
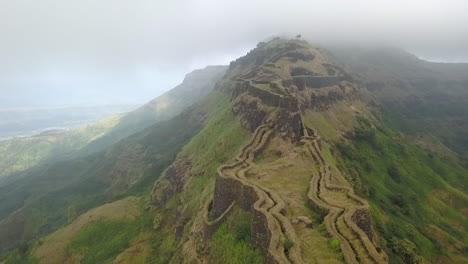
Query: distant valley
(21, 122)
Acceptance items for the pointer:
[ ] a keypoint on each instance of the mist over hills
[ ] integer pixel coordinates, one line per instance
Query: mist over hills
(31, 121)
(292, 154)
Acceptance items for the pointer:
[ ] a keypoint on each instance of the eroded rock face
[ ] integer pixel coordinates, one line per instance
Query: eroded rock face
(304, 82)
(267, 97)
(289, 125)
(328, 97)
(229, 190)
(303, 221)
(172, 183)
(363, 221)
(251, 115)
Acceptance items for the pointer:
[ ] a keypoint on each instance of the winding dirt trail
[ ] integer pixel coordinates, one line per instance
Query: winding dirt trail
(270, 205)
(341, 206)
(347, 216)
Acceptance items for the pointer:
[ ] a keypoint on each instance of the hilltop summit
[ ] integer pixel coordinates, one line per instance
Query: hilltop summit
(271, 90)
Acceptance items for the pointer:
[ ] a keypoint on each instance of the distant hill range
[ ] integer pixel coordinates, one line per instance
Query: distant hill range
(16, 122)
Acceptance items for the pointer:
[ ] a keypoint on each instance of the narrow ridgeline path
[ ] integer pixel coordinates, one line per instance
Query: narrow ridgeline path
(270, 227)
(347, 216)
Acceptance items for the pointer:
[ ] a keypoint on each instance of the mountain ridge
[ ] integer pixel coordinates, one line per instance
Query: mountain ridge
(305, 136)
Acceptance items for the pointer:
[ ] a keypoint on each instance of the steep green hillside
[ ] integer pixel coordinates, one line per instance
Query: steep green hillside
(20, 154)
(195, 86)
(416, 97)
(41, 198)
(419, 193)
(419, 199)
(272, 189)
(155, 238)
(44, 197)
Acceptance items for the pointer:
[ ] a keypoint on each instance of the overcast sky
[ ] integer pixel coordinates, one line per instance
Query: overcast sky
(129, 51)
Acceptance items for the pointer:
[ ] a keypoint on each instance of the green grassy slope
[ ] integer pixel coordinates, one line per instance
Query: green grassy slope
(97, 236)
(194, 87)
(231, 243)
(33, 206)
(416, 96)
(216, 143)
(419, 200)
(157, 241)
(62, 191)
(20, 154)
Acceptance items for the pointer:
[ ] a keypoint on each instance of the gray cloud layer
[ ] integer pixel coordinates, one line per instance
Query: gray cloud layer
(98, 51)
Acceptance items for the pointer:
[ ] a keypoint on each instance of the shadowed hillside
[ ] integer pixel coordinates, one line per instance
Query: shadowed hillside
(19, 154)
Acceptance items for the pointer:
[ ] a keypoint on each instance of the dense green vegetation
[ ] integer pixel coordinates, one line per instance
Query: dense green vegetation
(446, 121)
(231, 242)
(100, 241)
(416, 96)
(413, 194)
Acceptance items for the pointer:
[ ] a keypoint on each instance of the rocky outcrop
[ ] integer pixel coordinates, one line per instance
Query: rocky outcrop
(267, 97)
(287, 121)
(299, 71)
(295, 55)
(325, 98)
(252, 116)
(289, 125)
(347, 216)
(171, 184)
(305, 81)
(263, 53)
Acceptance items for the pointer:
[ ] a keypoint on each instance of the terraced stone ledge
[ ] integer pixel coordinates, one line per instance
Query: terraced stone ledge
(349, 221)
(308, 81)
(269, 98)
(270, 228)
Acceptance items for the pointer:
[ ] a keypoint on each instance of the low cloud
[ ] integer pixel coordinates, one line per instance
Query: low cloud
(114, 51)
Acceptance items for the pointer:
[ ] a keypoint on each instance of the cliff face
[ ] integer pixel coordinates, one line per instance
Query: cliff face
(285, 78)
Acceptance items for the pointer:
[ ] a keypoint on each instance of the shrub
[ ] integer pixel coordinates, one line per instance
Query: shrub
(322, 229)
(334, 243)
(288, 244)
(406, 250)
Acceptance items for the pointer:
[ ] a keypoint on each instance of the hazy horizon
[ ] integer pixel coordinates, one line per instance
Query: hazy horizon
(117, 52)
